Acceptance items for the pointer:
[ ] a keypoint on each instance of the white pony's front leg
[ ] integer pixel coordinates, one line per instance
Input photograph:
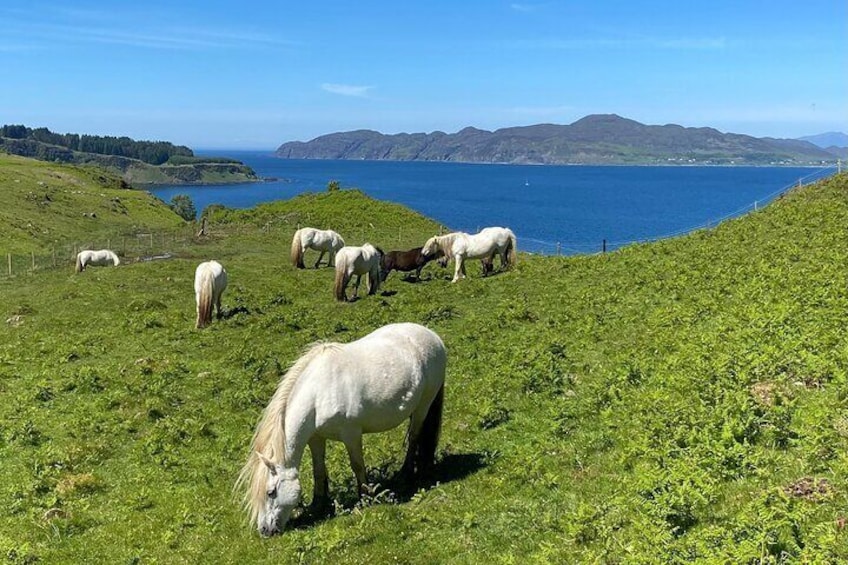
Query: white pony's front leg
(353, 442)
(320, 492)
(321, 256)
(459, 268)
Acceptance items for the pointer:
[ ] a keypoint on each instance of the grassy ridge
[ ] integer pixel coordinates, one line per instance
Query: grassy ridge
(673, 402)
(47, 203)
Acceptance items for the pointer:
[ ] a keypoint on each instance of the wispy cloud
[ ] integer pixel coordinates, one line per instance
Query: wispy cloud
(521, 7)
(693, 43)
(347, 89)
(149, 30)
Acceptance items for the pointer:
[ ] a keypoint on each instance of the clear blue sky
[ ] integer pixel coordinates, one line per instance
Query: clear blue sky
(254, 74)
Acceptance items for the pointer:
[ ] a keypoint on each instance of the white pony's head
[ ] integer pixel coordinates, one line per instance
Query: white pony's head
(431, 247)
(282, 494)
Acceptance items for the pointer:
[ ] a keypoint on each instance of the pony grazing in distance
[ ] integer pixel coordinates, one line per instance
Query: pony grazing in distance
(210, 280)
(325, 241)
(357, 261)
(339, 392)
(460, 246)
(412, 260)
(101, 258)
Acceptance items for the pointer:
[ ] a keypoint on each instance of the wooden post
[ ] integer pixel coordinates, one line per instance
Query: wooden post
(604, 248)
(9, 257)
(151, 240)
(559, 248)
(202, 231)
(33, 260)
(54, 255)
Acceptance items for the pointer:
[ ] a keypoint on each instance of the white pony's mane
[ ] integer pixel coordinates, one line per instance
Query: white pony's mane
(446, 242)
(269, 439)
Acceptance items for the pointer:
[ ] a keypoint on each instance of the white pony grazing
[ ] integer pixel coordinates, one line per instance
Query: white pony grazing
(357, 261)
(460, 246)
(101, 258)
(340, 392)
(325, 241)
(210, 280)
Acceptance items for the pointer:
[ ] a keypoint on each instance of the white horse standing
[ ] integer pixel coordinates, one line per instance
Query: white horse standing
(340, 392)
(210, 280)
(325, 241)
(101, 258)
(460, 246)
(357, 261)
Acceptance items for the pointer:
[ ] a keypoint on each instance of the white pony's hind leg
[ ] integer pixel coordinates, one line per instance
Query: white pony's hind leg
(321, 256)
(218, 304)
(356, 287)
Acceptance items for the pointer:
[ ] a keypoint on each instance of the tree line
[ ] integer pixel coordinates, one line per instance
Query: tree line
(153, 152)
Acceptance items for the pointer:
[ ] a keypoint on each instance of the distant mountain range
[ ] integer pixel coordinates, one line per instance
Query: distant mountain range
(602, 139)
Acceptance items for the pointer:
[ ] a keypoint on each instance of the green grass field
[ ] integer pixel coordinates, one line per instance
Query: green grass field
(682, 401)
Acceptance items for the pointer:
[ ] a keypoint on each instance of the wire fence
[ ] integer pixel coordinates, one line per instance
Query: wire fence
(129, 246)
(589, 248)
(148, 245)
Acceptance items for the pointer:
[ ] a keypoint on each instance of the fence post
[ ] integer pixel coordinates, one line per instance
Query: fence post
(604, 248)
(54, 255)
(33, 260)
(9, 257)
(559, 248)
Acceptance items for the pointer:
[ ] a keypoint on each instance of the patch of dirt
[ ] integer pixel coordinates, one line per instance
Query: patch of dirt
(809, 488)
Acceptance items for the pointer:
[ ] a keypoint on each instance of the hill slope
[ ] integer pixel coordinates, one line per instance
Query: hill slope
(596, 139)
(674, 402)
(831, 139)
(45, 204)
(137, 162)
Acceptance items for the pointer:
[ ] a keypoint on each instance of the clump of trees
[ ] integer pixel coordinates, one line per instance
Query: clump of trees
(184, 207)
(153, 152)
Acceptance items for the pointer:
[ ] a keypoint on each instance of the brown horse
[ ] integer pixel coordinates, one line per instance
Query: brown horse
(406, 261)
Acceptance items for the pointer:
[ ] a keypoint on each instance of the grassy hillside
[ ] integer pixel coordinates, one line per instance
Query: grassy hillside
(674, 402)
(46, 204)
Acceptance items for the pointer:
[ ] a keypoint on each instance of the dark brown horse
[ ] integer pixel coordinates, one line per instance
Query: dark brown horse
(412, 260)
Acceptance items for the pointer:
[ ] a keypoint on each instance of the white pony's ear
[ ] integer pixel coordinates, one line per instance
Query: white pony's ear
(268, 463)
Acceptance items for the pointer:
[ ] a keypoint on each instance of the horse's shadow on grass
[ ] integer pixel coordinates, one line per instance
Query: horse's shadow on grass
(227, 314)
(394, 489)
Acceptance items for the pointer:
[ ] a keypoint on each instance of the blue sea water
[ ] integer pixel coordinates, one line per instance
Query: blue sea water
(567, 209)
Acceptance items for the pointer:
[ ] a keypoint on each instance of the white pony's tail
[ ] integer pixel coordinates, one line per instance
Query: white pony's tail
(342, 277)
(297, 251)
(512, 249)
(79, 266)
(115, 259)
(204, 299)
